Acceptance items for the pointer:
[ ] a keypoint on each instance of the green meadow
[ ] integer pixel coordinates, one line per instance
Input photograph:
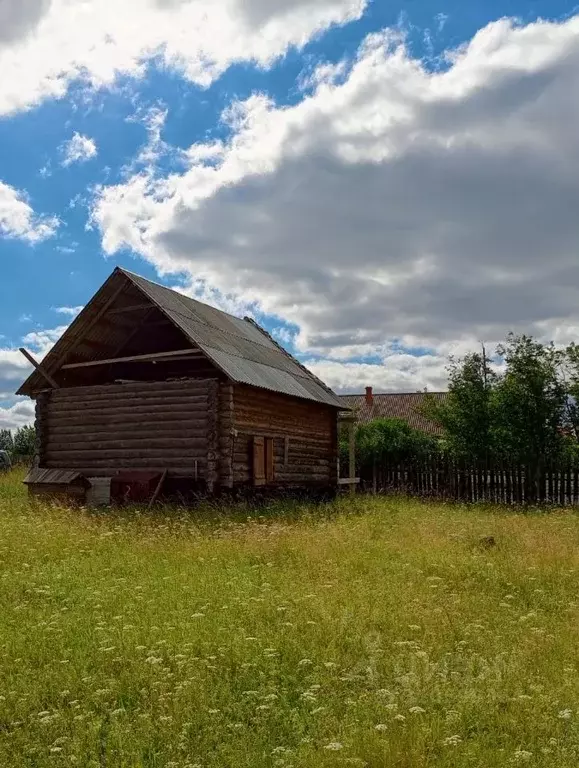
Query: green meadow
(376, 632)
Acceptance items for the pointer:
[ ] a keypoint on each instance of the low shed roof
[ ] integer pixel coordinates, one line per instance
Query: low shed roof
(240, 348)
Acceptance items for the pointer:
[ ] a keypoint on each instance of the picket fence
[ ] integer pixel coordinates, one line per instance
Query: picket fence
(499, 483)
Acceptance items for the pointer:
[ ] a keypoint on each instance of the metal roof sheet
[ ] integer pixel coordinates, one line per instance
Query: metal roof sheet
(242, 350)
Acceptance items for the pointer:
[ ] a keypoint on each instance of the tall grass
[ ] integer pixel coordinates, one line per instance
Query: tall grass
(379, 632)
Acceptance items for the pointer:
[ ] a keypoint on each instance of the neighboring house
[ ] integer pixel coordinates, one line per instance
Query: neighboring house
(148, 379)
(405, 406)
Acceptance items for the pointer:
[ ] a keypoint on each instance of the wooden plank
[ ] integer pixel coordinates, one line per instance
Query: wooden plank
(162, 454)
(158, 489)
(269, 460)
(152, 357)
(226, 447)
(114, 444)
(187, 402)
(212, 435)
(159, 464)
(136, 387)
(133, 308)
(258, 466)
(348, 481)
(39, 368)
(79, 339)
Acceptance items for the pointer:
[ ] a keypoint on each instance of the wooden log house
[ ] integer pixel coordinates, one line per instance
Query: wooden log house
(146, 378)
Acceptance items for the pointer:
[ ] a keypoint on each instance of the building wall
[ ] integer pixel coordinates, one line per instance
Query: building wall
(305, 437)
(98, 430)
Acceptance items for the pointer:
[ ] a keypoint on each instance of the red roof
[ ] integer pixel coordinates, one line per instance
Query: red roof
(404, 406)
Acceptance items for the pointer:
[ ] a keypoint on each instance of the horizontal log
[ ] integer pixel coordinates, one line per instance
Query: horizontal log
(199, 406)
(104, 469)
(100, 423)
(159, 428)
(135, 462)
(160, 454)
(81, 436)
(184, 473)
(150, 401)
(176, 443)
(118, 394)
(138, 386)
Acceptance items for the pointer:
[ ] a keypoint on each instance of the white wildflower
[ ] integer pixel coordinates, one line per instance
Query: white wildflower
(523, 755)
(381, 727)
(565, 714)
(417, 710)
(452, 741)
(334, 746)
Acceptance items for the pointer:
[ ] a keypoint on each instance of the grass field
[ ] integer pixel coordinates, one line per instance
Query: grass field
(376, 633)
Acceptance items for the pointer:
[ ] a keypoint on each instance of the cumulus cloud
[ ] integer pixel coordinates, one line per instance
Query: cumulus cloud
(17, 415)
(18, 219)
(19, 18)
(395, 204)
(14, 369)
(60, 41)
(79, 149)
(70, 311)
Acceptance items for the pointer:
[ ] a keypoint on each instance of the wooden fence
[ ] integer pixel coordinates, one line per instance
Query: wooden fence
(499, 483)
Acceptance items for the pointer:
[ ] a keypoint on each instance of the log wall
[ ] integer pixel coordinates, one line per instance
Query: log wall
(305, 437)
(100, 429)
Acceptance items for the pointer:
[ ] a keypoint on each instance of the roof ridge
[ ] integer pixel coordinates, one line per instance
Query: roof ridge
(394, 394)
(288, 354)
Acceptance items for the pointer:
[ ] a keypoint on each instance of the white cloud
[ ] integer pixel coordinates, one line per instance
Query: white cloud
(42, 341)
(18, 220)
(397, 373)
(70, 311)
(78, 150)
(46, 45)
(16, 415)
(394, 205)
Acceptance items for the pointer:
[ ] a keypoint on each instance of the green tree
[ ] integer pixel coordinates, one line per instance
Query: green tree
(25, 441)
(6, 441)
(467, 415)
(530, 402)
(387, 440)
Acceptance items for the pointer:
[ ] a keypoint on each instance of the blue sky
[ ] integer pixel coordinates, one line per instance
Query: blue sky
(380, 183)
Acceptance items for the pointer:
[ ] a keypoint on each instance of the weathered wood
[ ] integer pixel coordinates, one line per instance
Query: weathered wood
(132, 308)
(135, 359)
(144, 434)
(212, 435)
(106, 423)
(158, 489)
(158, 464)
(118, 411)
(39, 368)
(176, 443)
(185, 400)
(80, 338)
(198, 412)
(225, 442)
(142, 428)
(90, 454)
(138, 387)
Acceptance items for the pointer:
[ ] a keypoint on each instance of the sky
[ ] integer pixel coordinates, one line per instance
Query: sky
(381, 184)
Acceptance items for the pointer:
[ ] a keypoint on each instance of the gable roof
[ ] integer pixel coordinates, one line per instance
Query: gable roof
(405, 406)
(241, 349)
